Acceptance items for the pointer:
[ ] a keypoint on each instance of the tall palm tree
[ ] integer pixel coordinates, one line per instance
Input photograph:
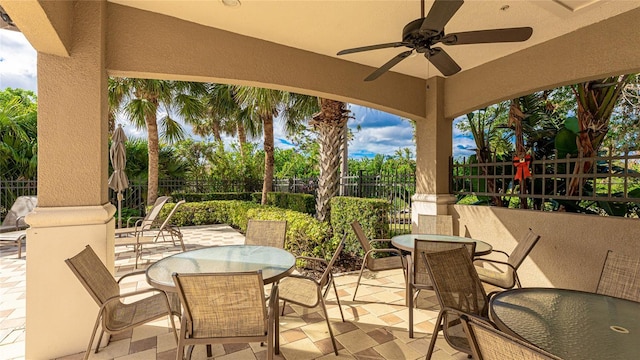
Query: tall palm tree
(143, 99)
(330, 124)
(266, 105)
(597, 100)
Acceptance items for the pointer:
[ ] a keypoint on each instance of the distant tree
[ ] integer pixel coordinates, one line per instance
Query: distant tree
(142, 100)
(18, 131)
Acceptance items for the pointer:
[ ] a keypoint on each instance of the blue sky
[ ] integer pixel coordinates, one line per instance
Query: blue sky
(379, 132)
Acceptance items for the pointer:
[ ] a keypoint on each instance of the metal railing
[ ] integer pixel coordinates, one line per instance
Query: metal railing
(611, 179)
(396, 188)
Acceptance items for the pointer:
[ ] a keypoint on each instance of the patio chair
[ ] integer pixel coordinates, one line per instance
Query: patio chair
(396, 261)
(509, 278)
(459, 290)
(620, 277)
(266, 233)
(153, 235)
(419, 278)
(15, 237)
(225, 308)
(308, 292)
(144, 223)
(14, 220)
(489, 343)
(115, 314)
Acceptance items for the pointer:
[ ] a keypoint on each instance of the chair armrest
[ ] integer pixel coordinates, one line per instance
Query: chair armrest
(136, 218)
(133, 293)
(139, 272)
(391, 251)
(501, 252)
(495, 262)
(298, 276)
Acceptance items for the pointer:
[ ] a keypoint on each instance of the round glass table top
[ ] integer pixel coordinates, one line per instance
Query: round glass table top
(570, 324)
(405, 242)
(275, 263)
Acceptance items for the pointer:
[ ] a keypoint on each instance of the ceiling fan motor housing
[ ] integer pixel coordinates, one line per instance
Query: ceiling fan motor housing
(421, 40)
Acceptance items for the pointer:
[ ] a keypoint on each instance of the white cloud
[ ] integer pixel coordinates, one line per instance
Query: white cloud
(18, 62)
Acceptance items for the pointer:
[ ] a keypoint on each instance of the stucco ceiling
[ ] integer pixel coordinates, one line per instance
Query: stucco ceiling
(326, 27)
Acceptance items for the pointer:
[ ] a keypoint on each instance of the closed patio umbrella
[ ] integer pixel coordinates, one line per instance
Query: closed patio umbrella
(118, 180)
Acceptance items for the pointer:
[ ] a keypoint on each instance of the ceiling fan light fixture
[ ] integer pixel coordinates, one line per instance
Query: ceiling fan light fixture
(231, 3)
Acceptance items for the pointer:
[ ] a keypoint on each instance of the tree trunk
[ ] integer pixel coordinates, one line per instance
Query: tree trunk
(215, 129)
(330, 125)
(267, 185)
(154, 150)
(242, 138)
(515, 120)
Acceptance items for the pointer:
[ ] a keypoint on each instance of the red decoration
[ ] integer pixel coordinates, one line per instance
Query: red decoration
(522, 167)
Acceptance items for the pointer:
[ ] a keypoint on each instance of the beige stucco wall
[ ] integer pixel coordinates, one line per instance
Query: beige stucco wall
(572, 247)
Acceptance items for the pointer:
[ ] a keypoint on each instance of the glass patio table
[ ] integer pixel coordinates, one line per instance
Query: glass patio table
(405, 242)
(275, 263)
(570, 324)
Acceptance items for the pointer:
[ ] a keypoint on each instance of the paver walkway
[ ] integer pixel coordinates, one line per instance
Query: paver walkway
(375, 327)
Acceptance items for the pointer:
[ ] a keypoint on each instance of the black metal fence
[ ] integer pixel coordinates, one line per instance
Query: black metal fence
(395, 187)
(611, 179)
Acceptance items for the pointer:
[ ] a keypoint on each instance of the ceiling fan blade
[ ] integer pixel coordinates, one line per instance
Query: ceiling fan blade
(442, 61)
(489, 36)
(441, 12)
(372, 47)
(391, 63)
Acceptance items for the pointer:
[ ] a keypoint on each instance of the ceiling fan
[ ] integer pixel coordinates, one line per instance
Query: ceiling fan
(422, 34)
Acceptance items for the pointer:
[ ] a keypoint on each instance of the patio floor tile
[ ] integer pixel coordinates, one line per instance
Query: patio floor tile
(375, 327)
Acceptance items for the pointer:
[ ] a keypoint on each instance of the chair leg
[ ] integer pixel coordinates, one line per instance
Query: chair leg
(93, 336)
(364, 262)
(284, 302)
(410, 305)
(434, 336)
(326, 316)
(337, 298)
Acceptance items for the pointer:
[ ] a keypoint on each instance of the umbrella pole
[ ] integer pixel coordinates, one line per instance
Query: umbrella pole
(119, 210)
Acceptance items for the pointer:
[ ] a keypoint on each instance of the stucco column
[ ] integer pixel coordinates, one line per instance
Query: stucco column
(433, 150)
(73, 210)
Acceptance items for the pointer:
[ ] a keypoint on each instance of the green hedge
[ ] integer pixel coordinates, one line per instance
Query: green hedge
(305, 235)
(304, 203)
(197, 197)
(373, 215)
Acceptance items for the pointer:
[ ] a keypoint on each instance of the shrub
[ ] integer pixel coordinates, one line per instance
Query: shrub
(305, 235)
(304, 203)
(197, 197)
(371, 213)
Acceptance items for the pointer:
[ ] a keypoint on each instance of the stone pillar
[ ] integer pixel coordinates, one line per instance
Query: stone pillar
(73, 209)
(433, 151)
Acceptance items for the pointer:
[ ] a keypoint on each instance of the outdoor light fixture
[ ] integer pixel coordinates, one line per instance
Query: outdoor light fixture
(231, 3)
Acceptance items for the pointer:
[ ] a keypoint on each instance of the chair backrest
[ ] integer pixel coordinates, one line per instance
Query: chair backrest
(457, 287)
(364, 241)
(523, 249)
(94, 276)
(223, 304)
(420, 272)
(435, 224)
(327, 272)
(167, 220)
(153, 213)
(266, 233)
(456, 281)
(489, 343)
(20, 208)
(620, 276)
